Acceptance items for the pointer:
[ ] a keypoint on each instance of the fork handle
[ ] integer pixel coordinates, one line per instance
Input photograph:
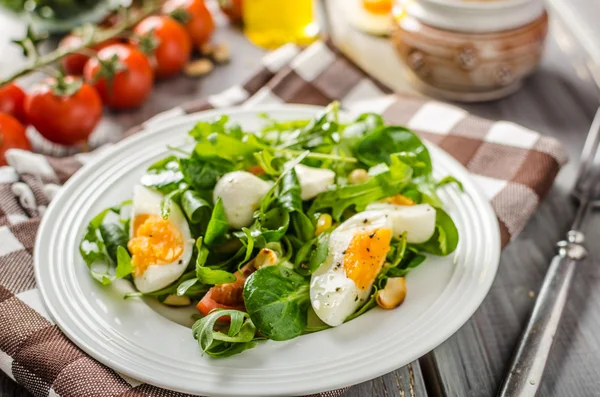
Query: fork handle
(532, 352)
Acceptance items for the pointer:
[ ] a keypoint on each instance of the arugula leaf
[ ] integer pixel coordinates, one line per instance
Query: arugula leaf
(164, 176)
(217, 344)
(386, 181)
(380, 145)
(217, 225)
(277, 301)
(195, 207)
(227, 147)
(100, 245)
(265, 159)
(210, 276)
(303, 226)
(223, 125)
(124, 266)
(450, 179)
(445, 238)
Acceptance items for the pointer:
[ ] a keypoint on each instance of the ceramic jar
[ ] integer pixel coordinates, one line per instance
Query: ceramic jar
(469, 50)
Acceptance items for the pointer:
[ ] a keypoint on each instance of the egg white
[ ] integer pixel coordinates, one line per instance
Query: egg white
(418, 221)
(362, 19)
(158, 276)
(333, 295)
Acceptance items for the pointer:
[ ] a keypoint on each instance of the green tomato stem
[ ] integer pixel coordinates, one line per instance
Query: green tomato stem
(95, 38)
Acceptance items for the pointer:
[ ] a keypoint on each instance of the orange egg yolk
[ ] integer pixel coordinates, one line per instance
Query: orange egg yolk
(378, 6)
(155, 241)
(365, 256)
(399, 200)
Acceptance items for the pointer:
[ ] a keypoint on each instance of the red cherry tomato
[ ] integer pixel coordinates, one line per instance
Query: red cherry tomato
(12, 98)
(233, 9)
(122, 75)
(172, 45)
(64, 111)
(199, 23)
(12, 136)
(73, 63)
(226, 296)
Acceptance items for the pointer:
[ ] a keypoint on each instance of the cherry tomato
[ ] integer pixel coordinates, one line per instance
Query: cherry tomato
(167, 41)
(12, 136)
(11, 101)
(73, 63)
(198, 21)
(233, 9)
(226, 296)
(64, 111)
(122, 75)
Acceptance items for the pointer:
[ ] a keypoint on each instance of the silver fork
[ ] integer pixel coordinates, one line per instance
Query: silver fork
(529, 360)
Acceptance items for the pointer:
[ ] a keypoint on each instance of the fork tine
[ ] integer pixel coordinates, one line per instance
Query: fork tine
(588, 157)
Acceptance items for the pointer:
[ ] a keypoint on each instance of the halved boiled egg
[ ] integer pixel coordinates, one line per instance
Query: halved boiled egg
(160, 248)
(370, 16)
(357, 251)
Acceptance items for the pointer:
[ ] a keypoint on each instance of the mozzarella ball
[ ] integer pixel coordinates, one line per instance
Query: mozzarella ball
(241, 193)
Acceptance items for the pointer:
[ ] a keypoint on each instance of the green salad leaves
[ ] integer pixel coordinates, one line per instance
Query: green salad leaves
(253, 282)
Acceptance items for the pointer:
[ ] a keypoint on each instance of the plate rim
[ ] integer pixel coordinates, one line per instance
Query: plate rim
(155, 127)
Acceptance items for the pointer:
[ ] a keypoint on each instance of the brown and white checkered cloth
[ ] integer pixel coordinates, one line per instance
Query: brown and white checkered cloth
(514, 166)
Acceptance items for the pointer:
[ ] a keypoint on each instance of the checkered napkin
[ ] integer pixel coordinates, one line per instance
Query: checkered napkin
(514, 166)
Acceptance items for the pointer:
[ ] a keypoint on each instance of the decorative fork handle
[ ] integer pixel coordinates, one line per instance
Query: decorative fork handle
(532, 352)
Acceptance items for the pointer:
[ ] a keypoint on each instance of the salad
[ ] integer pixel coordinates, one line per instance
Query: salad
(272, 234)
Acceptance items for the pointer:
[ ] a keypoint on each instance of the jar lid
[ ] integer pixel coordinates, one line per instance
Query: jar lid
(472, 16)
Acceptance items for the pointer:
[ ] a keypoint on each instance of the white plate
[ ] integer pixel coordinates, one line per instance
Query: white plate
(133, 338)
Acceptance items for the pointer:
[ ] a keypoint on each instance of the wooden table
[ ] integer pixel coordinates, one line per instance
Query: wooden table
(559, 101)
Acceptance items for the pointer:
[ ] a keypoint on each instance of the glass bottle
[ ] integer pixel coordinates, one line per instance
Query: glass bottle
(272, 23)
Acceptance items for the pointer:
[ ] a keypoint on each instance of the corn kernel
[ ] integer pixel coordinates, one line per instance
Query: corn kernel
(358, 176)
(400, 200)
(323, 223)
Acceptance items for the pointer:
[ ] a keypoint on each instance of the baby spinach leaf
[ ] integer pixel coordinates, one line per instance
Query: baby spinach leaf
(195, 207)
(303, 227)
(203, 175)
(277, 301)
(378, 146)
(312, 254)
(270, 226)
(386, 181)
(114, 236)
(239, 337)
(445, 238)
(410, 261)
(163, 176)
(217, 225)
(210, 276)
(124, 266)
(168, 201)
(289, 192)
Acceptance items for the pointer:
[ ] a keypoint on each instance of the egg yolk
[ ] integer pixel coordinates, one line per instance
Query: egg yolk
(378, 6)
(365, 255)
(155, 241)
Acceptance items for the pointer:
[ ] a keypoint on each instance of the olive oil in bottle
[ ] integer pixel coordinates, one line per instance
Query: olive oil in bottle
(272, 23)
